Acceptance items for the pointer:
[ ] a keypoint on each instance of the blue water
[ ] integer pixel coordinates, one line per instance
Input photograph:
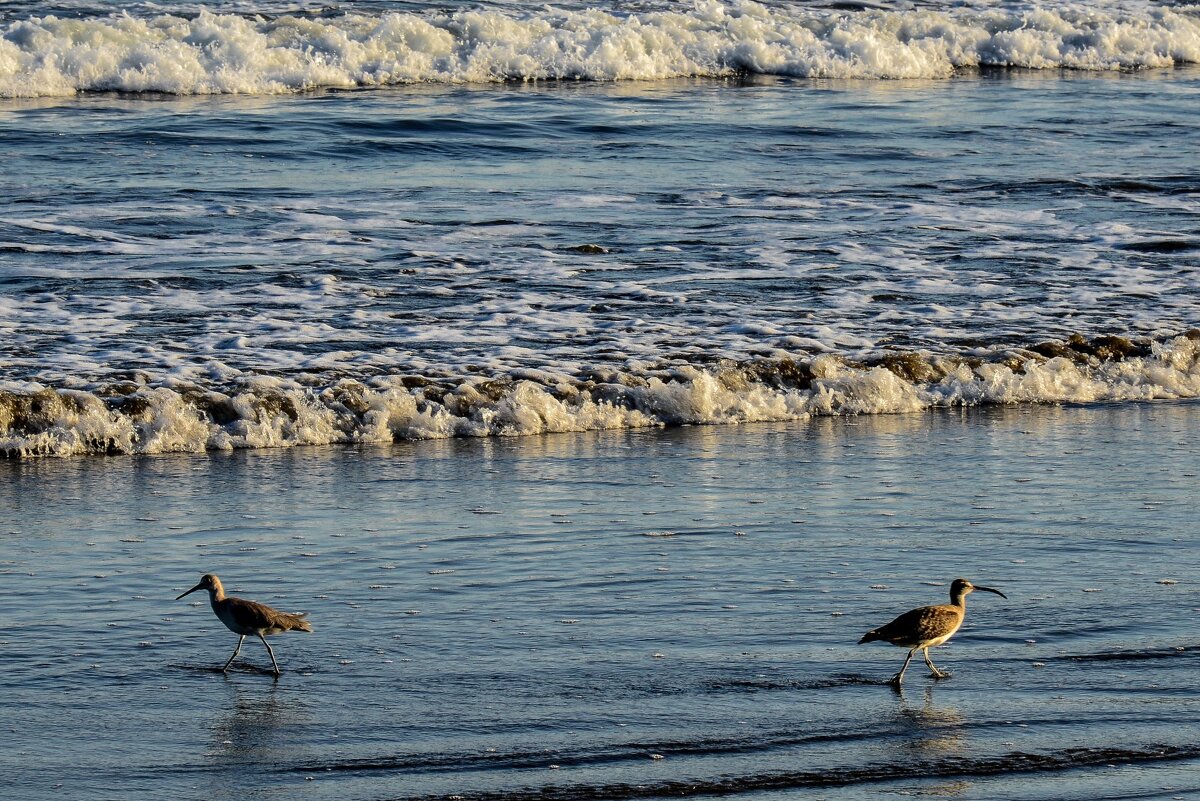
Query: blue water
(558, 231)
(594, 380)
(586, 239)
(538, 617)
(432, 229)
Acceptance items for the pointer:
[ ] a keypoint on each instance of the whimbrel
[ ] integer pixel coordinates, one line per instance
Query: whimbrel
(923, 628)
(244, 617)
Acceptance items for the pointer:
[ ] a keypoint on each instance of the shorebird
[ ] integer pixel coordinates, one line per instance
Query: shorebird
(244, 617)
(923, 628)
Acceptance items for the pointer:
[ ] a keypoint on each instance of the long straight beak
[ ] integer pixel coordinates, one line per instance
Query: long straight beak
(198, 586)
(985, 589)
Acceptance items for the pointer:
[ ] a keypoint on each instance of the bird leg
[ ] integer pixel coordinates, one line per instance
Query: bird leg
(235, 653)
(937, 674)
(899, 677)
(269, 651)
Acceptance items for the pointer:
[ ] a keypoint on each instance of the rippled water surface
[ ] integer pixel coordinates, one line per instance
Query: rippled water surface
(183, 274)
(563, 228)
(546, 617)
(643, 358)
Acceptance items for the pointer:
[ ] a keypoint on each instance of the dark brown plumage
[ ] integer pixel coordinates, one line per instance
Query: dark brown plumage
(244, 617)
(927, 627)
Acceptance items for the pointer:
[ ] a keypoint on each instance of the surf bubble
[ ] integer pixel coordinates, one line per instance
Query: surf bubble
(249, 411)
(222, 53)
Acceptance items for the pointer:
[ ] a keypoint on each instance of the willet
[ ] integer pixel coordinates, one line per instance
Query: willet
(244, 617)
(923, 628)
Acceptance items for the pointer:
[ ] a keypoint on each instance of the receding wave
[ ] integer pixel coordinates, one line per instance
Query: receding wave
(602, 755)
(212, 53)
(141, 416)
(1133, 655)
(909, 768)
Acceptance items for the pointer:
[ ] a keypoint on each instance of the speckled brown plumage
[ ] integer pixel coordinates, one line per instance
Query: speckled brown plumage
(927, 627)
(919, 627)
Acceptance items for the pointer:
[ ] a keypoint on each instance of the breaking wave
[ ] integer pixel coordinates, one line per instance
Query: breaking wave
(214, 53)
(140, 416)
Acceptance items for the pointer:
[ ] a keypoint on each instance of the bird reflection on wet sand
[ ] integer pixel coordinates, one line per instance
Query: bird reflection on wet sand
(257, 729)
(935, 732)
(936, 729)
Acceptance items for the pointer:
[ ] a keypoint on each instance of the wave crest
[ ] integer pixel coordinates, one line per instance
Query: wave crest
(263, 412)
(215, 53)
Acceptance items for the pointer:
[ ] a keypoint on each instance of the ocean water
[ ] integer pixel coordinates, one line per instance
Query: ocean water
(225, 229)
(621, 615)
(595, 375)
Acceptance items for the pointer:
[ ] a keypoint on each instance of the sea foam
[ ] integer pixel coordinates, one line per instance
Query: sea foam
(249, 411)
(213, 53)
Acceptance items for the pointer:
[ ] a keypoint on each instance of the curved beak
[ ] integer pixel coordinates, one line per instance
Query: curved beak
(989, 589)
(201, 585)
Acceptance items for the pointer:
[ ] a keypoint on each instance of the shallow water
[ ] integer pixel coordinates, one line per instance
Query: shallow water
(389, 225)
(539, 617)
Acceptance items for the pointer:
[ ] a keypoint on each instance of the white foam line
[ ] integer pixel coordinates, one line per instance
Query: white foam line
(213, 53)
(189, 413)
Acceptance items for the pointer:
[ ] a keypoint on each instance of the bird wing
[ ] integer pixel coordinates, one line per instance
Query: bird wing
(253, 616)
(919, 625)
